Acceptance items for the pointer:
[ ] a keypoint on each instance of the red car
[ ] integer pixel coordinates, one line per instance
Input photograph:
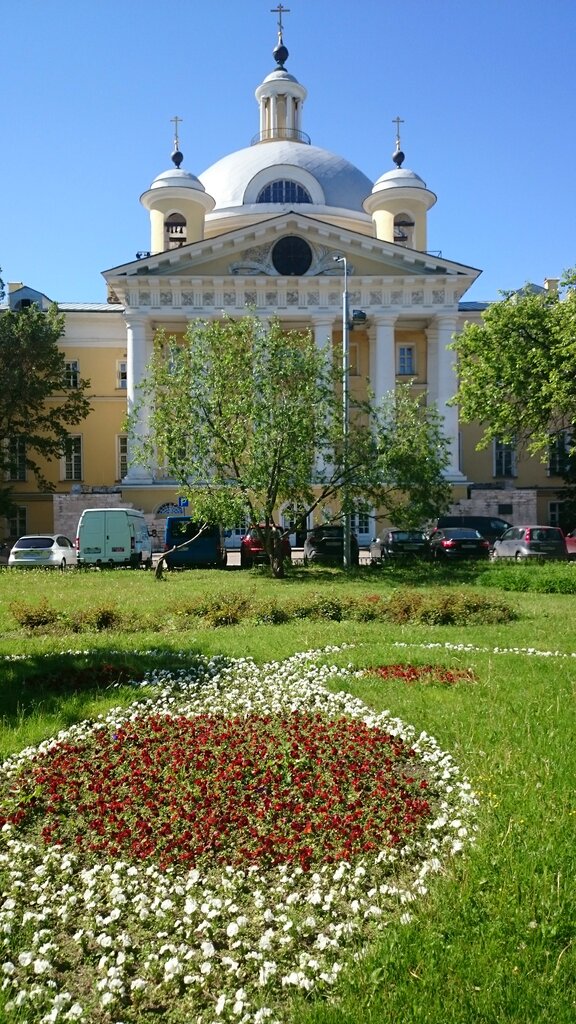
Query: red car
(252, 551)
(570, 539)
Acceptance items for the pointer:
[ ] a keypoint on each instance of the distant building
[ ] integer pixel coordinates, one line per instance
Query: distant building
(271, 227)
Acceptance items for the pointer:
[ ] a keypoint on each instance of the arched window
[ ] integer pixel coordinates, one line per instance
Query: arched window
(404, 230)
(284, 192)
(174, 231)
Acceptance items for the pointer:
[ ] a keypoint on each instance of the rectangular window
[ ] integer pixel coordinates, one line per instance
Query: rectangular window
(554, 513)
(504, 458)
(559, 453)
(406, 361)
(72, 461)
(122, 456)
(18, 523)
(16, 459)
(360, 523)
(122, 374)
(72, 373)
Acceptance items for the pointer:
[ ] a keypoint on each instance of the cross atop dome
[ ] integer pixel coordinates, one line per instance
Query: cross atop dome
(280, 53)
(176, 157)
(398, 156)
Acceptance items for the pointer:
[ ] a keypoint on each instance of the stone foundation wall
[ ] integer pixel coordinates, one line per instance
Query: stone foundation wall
(515, 505)
(69, 507)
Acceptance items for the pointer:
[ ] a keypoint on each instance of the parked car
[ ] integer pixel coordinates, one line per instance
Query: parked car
(252, 550)
(326, 544)
(490, 527)
(207, 550)
(399, 544)
(540, 542)
(44, 549)
(454, 542)
(570, 539)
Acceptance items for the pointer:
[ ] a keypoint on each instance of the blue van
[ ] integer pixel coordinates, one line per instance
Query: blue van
(207, 551)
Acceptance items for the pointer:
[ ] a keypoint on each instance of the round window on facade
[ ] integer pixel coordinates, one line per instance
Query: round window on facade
(292, 256)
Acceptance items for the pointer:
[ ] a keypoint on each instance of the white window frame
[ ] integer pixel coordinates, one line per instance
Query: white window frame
(73, 372)
(18, 523)
(554, 513)
(72, 463)
(121, 374)
(504, 459)
(17, 455)
(121, 456)
(403, 360)
(559, 452)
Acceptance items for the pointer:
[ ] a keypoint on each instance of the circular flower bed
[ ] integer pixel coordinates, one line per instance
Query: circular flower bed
(218, 843)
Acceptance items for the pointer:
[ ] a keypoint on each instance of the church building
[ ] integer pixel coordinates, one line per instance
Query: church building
(283, 228)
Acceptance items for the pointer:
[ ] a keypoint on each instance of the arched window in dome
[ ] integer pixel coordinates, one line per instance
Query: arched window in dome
(404, 230)
(174, 231)
(284, 191)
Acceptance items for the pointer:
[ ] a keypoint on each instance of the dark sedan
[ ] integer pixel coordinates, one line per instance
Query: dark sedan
(399, 544)
(455, 542)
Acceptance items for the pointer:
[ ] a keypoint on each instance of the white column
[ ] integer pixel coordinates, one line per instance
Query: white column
(382, 356)
(322, 330)
(138, 353)
(446, 387)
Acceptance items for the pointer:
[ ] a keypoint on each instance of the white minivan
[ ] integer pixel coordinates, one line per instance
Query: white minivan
(113, 536)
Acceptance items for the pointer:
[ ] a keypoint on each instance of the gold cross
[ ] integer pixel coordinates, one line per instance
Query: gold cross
(175, 121)
(397, 121)
(280, 10)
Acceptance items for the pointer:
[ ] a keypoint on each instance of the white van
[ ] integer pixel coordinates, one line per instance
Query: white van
(113, 536)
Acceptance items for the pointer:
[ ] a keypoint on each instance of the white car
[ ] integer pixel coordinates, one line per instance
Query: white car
(43, 549)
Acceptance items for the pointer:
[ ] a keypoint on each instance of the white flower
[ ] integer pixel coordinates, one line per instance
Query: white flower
(232, 930)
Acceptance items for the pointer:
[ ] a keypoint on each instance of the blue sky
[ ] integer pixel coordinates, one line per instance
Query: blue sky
(485, 88)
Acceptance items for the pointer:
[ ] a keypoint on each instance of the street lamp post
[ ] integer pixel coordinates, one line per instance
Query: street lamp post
(345, 403)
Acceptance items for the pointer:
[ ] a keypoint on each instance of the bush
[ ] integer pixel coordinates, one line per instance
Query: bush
(36, 616)
(447, 608)
(99, 617)
(226, 610)
(271, 613)
(319, 607)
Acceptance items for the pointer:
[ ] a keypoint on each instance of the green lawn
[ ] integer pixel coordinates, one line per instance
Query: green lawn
(493, 941)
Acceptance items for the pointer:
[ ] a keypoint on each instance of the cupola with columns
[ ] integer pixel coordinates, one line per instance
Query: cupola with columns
(281, 98)
(399, 204)
(178, 204)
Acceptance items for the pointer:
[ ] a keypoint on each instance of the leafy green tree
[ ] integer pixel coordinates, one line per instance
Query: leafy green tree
(517, 369)
(37, 405)
(248, 419)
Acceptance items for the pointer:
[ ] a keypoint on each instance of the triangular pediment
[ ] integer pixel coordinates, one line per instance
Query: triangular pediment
(248, 251)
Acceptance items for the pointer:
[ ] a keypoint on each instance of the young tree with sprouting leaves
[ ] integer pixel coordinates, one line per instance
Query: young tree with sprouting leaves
(37, 405)
(248, 418)
(517, 369)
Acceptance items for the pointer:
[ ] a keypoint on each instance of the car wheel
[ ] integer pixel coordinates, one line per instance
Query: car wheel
(518, 557)
(63, 564)
(245, 562)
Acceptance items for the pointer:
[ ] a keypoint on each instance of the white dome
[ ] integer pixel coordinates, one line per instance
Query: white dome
(399, 177)
(334, 181)
(176, 177)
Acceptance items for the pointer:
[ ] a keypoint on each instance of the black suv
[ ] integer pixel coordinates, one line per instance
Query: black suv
(326, 544)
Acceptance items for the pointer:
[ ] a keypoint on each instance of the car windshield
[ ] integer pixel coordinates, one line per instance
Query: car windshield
(34, 542)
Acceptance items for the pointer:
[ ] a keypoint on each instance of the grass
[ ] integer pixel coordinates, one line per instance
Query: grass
(494, 940)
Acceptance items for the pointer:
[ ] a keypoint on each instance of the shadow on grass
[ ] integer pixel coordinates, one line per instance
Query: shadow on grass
(414, 573)
(41, 681)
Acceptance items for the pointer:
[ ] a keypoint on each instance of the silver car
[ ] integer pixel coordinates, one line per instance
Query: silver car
(43, 549)
(536, 542)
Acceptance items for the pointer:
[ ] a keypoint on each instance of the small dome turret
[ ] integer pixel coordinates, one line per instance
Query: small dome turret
(399, 203)
(178, 204)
